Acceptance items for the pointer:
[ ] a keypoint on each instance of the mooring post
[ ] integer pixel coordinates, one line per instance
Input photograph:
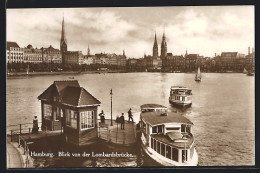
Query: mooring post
(11, 135)
(19, 141)
(20, 129)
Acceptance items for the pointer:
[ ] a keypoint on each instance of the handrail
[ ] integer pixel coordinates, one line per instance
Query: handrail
(26, 149)
(20, 123)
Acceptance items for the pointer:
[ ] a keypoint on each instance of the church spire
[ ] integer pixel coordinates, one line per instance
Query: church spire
(63, 41)
(88, 51)
(155, 47)
(163, 46)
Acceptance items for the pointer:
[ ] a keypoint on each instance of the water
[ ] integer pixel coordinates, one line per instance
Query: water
(223, 109)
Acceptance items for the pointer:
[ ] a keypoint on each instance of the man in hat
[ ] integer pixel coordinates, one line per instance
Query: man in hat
(130, 116)
(122, 118)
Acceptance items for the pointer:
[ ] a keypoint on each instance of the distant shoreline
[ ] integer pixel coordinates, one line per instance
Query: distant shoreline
(15, 74)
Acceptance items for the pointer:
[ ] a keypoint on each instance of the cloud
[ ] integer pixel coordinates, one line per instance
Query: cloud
(201, 30)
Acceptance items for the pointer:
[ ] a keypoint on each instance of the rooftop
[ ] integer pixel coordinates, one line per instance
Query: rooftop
(154, 118)
(70, 93)
(11, 44)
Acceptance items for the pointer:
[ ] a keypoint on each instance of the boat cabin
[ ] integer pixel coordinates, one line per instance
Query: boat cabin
(168, 135)
(65, 105)
(180, 90)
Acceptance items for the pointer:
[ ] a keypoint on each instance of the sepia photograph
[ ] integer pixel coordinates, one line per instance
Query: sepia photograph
(164, 86)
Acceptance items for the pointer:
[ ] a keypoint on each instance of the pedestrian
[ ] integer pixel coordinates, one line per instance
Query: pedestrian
(122, 118)
(102, 116)
(35, 125)
(130, 115)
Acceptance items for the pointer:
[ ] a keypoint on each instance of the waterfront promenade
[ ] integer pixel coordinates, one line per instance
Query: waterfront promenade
(15, 157)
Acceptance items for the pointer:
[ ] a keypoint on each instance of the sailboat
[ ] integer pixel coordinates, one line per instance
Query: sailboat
(198, 75)
(245, 71)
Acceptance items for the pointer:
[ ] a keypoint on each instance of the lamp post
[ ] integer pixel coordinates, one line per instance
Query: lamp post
(111, 93)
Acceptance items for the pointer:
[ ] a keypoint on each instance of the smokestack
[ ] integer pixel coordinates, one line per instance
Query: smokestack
(253, 50)
(215, 54)
(248, 50)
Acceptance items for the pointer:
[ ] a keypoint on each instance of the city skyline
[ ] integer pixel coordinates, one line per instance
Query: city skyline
(202, 30)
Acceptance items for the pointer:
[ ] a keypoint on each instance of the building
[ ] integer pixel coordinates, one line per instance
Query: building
(250, 60)
(32, 55)
(173, 63)
(51, 54)
(73, 57)
(14, 53)
(191, 61)
(229, 61)
(88, 59)
(63, 42)
(64, 104)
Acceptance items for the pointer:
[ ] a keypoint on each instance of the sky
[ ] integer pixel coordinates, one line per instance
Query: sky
(203, 30)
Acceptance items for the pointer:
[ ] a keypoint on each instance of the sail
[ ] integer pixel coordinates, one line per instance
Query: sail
(198, 75)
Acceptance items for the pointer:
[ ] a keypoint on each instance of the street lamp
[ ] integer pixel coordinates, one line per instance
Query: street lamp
(111, 93)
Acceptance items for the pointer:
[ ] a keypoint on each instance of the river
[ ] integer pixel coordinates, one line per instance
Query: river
(223, 109)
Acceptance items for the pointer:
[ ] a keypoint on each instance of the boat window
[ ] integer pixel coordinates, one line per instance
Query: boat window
(168, 152)
(162, 149)
(173, 128)
(175, 154)
(152, 143)
(154, 129)
(158, 147)
(184, 155)
(160, 128)
(183, 128)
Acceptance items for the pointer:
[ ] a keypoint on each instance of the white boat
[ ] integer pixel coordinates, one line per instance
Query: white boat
(180, 96)
(198, 75)
(167, 137)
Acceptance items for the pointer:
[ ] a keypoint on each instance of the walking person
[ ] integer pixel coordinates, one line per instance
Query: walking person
(130, 115)
(122, 119)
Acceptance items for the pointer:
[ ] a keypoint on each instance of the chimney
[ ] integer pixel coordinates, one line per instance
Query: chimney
(248, 50)
(215, 54)
(253, 50)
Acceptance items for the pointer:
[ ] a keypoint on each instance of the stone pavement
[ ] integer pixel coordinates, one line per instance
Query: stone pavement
(15, 156)
(117, 135)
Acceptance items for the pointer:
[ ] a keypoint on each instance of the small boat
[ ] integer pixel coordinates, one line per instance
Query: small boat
(245, 71)
(180, 96)
(198, 75)
(167, 137)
